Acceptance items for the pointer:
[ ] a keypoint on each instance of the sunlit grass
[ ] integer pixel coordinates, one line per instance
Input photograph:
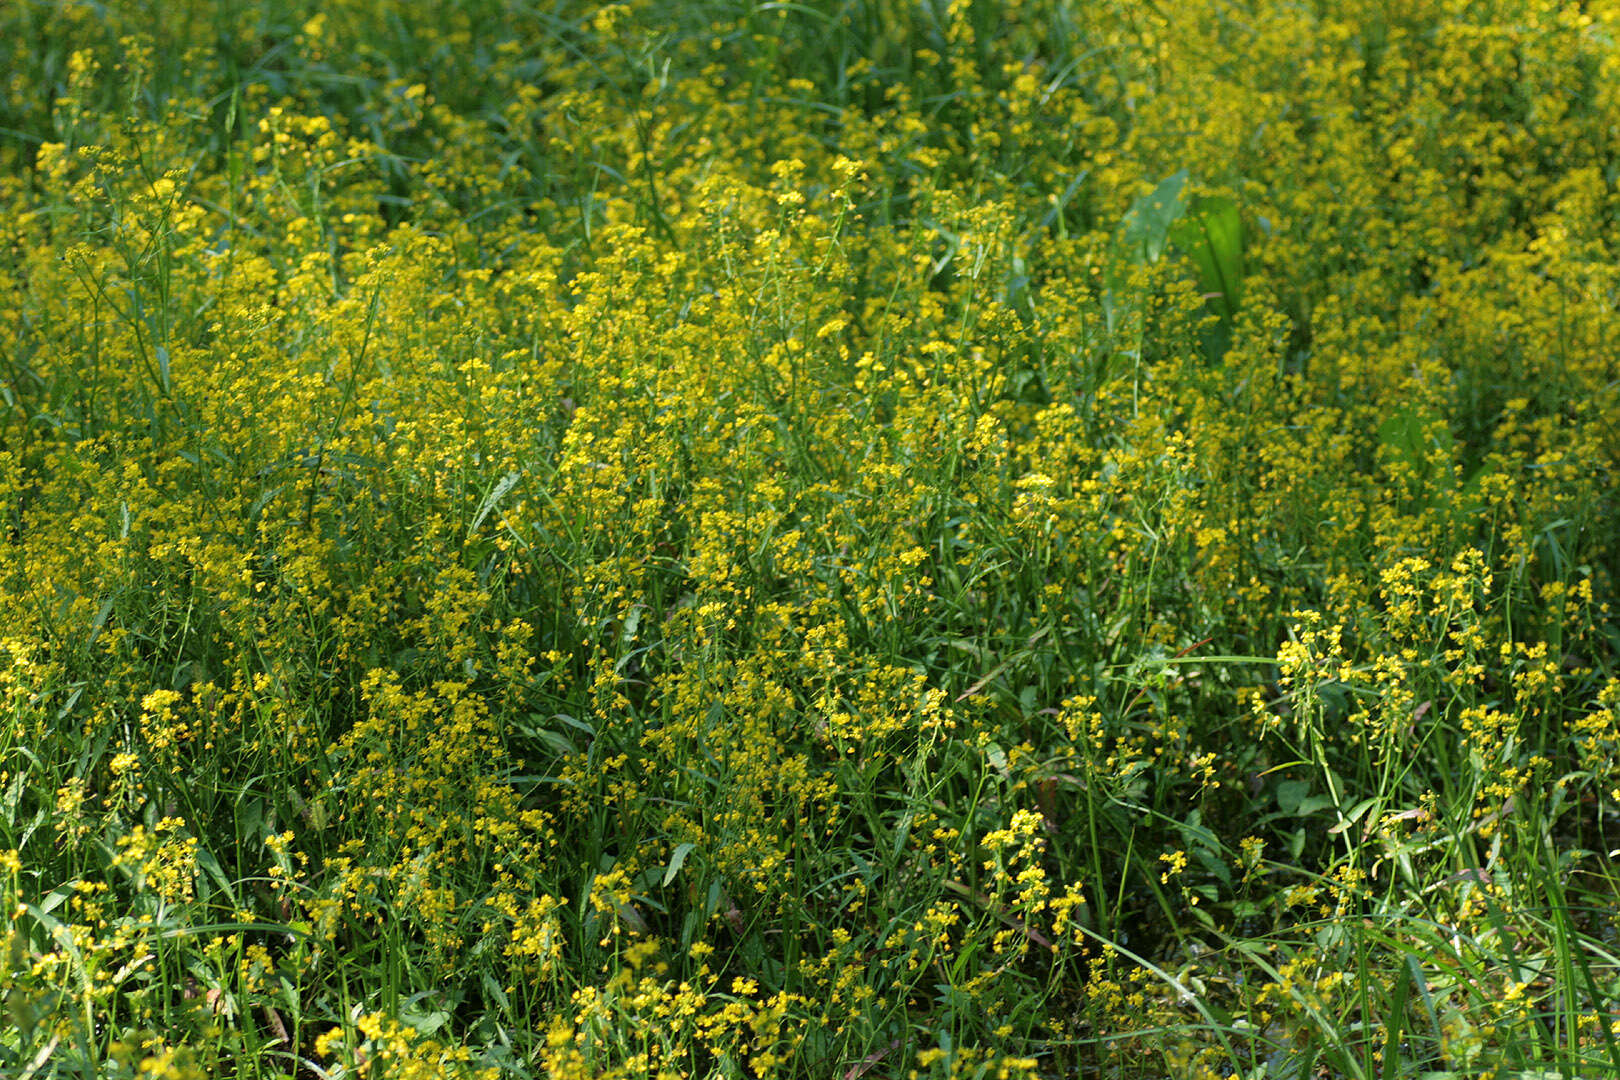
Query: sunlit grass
(809, 540)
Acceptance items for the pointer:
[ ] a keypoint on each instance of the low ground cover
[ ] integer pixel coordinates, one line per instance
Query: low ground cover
(809, 539)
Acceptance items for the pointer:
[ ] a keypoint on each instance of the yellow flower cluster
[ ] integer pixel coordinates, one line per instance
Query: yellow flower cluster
(862, 539)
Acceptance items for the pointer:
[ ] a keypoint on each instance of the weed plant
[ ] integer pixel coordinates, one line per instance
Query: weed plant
(823, 539)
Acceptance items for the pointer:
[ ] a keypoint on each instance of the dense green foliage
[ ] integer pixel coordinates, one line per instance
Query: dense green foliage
(828, 539)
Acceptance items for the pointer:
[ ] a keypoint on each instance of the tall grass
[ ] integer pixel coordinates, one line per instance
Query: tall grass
(815, 539)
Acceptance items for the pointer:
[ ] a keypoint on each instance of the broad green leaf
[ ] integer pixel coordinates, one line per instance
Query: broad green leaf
(1290, 794)
(1146, 228)
(1211, 235)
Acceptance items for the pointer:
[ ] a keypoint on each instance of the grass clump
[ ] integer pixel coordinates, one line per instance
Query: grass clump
(830, 539)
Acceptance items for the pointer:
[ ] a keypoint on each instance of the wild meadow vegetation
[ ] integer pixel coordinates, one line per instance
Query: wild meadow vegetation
(842, 538)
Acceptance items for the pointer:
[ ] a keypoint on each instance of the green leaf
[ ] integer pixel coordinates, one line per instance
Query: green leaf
(1315, 804)
(1352, 816)
(496, 993)
(1211, 235)
(1290, 794)
(210, 865)
(1146, 227)
(1402, 432)
(676, 861)
(424, 1018)
(502, 487)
